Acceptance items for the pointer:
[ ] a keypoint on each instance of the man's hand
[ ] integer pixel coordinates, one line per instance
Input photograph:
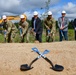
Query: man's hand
(5, 30)
(61, 28)
(31, 31)
(47, 27)
(19, 26)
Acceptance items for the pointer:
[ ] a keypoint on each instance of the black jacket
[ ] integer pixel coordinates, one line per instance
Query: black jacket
(74, 23)
(38, 26)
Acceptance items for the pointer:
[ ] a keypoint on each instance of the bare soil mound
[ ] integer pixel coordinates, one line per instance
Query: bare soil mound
(12, 55)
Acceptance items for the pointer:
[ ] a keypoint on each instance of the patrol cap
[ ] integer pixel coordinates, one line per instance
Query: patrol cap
(4, 17)
(49, 13)
(63, 12)
(35, 13)
(22, 16)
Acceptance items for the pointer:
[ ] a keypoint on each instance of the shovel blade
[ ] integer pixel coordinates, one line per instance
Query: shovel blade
(58, 68)
(46, 52)
(36, 50)
(25, 67)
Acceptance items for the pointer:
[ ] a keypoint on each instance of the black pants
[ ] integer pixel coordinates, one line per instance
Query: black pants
(75, 34)
(39, 37)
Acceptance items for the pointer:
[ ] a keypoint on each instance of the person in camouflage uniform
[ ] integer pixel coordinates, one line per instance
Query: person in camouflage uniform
(23, 27)
(50, 25)
(9, 30)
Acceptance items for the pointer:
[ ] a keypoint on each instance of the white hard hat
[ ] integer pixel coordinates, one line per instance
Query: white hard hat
(35, 13)
(22, 16)
(49, 13)
(63, 12)
(4, 17)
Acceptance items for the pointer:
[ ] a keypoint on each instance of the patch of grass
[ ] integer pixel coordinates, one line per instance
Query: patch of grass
(17, 39)
(71, 34)
(1, 38)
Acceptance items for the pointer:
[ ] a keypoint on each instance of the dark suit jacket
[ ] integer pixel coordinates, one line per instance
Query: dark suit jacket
(38, 27)
(74, 23)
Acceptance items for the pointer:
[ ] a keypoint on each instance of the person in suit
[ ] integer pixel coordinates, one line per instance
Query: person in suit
(75, 27)
(63, 26)
(37, 27)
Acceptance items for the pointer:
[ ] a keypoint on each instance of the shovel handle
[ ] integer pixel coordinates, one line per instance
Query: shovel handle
(33, 61)
(49, 61)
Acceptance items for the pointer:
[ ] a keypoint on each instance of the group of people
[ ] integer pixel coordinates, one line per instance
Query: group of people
(36, 30)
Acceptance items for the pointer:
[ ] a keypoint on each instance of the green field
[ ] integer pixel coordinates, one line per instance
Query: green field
(70, 35)
(17, 39)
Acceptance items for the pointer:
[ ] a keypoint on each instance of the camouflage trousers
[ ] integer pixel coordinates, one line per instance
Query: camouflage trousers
(50, 36)
(26, 35)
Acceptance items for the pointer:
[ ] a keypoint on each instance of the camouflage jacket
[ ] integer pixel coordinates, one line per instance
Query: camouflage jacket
(24, 26)
(51, 24)
(9, 26)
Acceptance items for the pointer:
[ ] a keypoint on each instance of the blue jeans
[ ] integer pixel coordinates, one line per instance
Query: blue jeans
(63, 34)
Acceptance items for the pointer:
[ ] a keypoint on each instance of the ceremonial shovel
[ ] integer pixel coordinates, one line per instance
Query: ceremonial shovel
(26, 67)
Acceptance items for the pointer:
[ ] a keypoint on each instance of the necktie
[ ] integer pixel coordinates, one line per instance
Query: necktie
(62, 22)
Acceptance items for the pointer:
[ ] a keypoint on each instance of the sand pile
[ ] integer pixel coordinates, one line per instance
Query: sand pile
(15, 54)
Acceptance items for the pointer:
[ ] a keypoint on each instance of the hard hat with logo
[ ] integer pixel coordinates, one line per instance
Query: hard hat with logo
(4, 17)
(63, 12)
(35, 13)
(49, 13)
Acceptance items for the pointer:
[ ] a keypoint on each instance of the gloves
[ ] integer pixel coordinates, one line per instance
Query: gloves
(20, 27)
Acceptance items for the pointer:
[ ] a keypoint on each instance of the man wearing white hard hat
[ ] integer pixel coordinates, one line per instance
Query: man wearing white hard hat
(74, 24)
(35, 13)
(23, 27)
(4, 17)
(9, 29)
(63, 26)
(50, 25)
(37, 26)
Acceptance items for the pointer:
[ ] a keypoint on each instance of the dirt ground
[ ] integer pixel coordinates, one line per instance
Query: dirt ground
(15, 54)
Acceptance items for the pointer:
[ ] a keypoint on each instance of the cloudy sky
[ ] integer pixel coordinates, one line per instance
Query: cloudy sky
(17, 7)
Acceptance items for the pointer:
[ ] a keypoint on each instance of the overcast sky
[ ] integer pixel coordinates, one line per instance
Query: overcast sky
(17, 7)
